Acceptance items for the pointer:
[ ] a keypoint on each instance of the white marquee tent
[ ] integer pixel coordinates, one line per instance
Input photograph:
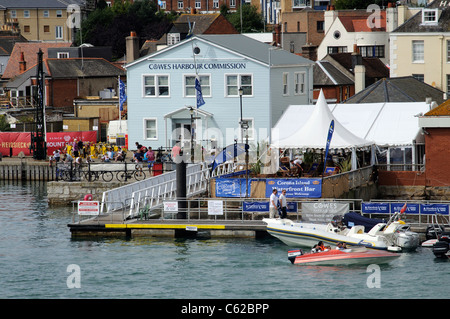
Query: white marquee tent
(356, 125)
(313, 132)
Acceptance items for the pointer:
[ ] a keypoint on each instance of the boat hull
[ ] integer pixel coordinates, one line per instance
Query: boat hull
(338, 257)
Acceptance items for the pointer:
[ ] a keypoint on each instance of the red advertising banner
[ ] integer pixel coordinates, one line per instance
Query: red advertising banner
(58, 140)
(21, 142)
(15, 141)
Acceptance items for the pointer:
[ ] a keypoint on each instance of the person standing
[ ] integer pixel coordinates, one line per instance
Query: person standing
(283, 204)
(273, 206)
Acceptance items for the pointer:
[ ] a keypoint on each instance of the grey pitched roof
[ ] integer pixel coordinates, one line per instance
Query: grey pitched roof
(47, 4)
(255, 49)
(414, 24)
(326, 73)
(87, 67)
(401, 89)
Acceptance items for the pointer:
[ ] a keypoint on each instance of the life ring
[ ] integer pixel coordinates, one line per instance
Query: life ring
(88, 197)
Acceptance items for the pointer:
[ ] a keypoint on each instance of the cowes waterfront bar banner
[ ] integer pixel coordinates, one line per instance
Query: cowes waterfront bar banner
(296, 187)
(21, 142)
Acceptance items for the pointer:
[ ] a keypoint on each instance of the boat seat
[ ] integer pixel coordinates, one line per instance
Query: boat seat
(357, 229)
(375, 229)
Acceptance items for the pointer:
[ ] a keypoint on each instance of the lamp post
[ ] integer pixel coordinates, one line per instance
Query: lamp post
(241, 92)
(244, 128)
(191, 111)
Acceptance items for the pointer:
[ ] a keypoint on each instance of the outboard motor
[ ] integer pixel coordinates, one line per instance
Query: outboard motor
(442, 247)
(292, 254)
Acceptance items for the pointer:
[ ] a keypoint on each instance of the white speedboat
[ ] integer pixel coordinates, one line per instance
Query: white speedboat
(392, 236)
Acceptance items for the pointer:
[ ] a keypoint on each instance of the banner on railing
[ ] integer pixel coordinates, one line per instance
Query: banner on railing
(232, 187)
(411, 208)
(264, 207)
(322, 212)
(58, 140)
(295, 187)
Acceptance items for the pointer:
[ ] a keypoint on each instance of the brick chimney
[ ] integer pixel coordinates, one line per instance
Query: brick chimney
(309, 51)
(132, 47)
(22, 63)
(276, 35)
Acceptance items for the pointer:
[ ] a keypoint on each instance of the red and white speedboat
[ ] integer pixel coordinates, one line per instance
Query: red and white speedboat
(359, 255)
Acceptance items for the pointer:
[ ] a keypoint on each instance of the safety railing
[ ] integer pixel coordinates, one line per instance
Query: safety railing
(152, 197)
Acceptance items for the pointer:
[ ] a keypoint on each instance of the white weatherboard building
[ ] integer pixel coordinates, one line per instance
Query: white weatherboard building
(161, 92)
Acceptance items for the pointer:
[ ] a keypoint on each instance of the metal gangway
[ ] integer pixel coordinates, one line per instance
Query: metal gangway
(150, 193)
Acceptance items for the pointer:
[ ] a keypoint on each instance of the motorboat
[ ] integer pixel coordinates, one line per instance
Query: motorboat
(351, 256)
(393, 236)
(441, 249)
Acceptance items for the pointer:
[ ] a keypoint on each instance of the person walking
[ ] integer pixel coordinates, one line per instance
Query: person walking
(273, 206)
(283, 204)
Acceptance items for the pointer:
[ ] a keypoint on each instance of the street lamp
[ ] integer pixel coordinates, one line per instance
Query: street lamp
(244, 128)
(241, 92)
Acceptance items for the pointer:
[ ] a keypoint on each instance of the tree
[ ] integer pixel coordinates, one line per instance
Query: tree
(109, 26)
(252, 21)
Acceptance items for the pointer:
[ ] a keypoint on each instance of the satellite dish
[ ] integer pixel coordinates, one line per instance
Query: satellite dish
(196, 50)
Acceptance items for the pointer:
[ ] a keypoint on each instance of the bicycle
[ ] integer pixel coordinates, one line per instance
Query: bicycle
(123, 176)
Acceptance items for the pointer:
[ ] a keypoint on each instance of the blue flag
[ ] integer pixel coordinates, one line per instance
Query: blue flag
(330, 135)
(122, 94)
(198, 88)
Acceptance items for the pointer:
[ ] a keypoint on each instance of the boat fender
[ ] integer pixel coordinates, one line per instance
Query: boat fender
(88, 197)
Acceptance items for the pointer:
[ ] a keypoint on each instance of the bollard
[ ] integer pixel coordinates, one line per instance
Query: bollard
(181, 189)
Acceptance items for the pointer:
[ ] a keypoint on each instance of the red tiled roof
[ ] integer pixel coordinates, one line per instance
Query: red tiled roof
(362, 23)
(30, 50)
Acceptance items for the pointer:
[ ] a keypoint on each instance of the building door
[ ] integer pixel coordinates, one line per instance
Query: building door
(183, 134)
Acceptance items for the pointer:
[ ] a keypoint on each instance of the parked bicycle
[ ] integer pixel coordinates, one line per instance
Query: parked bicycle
(123, 176)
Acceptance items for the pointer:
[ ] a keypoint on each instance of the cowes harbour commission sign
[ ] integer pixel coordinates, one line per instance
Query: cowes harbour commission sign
(198, 66)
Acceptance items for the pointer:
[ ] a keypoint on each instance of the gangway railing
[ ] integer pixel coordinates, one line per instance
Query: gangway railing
(152, 197)
(150, 193)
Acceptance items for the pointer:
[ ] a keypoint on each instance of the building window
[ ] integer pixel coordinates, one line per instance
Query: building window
(180, 4)
(46, 28)
(285, 83)
(215, 4)
(429, 16)
(62, 55)
(13, 14)
(448, 50)
(448, 83)
(151, 129)
(233, 3)
(26, 29)
(162, 5)
(372, 51)
(59, 13)
(419, 77)
(156, 85)
(189, 85)
(298, 26)
(59, 32)
(320, 26)
(46, 14)
(198, 5)
(236, 81)
(173, 38)
(299, 83)
(332, 50)
(26, 13)
(418, 51)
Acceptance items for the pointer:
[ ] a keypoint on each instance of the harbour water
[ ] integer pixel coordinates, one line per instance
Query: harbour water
(39, 260)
